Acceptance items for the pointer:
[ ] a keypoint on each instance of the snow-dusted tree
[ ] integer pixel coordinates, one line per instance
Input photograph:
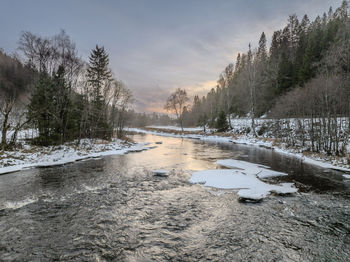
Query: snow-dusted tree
(251, 76)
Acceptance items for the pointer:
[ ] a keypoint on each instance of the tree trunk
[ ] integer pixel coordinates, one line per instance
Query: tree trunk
(253, 125)
(5, 127)
(229, 121)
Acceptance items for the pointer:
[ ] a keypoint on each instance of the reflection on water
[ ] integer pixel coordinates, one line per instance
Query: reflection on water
(114, 209)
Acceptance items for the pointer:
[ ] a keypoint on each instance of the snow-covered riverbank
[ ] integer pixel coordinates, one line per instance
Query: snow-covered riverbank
(33, 156)
(313, 159)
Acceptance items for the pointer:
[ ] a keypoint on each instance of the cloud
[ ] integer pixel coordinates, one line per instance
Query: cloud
(157, 46)
(200, 89)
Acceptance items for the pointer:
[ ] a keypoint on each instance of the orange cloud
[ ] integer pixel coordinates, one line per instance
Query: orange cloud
(157, 109)
(200, 89)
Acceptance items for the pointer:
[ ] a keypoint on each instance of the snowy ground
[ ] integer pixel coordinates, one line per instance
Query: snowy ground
(33, 156)
(244, 177)
(313, 159)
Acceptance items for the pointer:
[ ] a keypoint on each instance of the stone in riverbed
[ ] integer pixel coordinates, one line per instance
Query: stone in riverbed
(160, 172)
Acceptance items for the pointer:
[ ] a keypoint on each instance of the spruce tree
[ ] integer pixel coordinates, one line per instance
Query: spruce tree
(262, 54)
(40, 109)
(61, 105)
(275, 47)
(99, 75)
(221, 122)
(285, 75)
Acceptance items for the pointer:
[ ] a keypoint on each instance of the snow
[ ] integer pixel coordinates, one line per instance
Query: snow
(23, 134)
(346, 176)
(225, 179)
(260, 171)
(10, 169)
(31, 156)
(284, 188)
(252, 194)
(248, 185)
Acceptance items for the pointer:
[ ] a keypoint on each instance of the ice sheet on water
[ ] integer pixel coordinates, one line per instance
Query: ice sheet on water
(252, 194)
(249, 186)
(260, 171)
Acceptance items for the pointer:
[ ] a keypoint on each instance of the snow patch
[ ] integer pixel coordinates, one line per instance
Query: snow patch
(252, 194)
(249, 186)
(68, 153)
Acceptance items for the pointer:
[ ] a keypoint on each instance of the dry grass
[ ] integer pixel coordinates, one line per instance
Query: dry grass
(277, 143)
(30, 150)
(223, 134)
(127, 139)
(268, 139)
(308, 153)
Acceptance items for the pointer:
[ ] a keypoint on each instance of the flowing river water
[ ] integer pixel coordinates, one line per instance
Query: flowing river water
(115, 209)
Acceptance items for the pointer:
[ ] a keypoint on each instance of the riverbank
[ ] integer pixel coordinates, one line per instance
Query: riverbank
(329, 162)
(37, 156)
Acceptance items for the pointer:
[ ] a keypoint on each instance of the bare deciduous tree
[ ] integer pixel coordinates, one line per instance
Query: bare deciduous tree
(6, 106)
(176, 103)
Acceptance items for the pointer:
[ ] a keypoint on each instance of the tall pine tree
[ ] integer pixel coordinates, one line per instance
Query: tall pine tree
(99, 76)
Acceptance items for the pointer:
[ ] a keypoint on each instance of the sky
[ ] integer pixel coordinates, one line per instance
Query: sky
(156, 46)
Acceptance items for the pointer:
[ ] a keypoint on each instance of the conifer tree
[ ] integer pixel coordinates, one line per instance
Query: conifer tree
(40, 109)
(262, 54)
(99, 76)
(221, 122)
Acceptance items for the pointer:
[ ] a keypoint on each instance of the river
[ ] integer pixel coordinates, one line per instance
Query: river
(115, 209)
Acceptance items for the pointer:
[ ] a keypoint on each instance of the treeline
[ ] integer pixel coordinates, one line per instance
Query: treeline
(69, 98)
(303, 74)
(142, 119)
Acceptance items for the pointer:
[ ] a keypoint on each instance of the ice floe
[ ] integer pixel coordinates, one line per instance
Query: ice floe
(249, 186)
(260, 171)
